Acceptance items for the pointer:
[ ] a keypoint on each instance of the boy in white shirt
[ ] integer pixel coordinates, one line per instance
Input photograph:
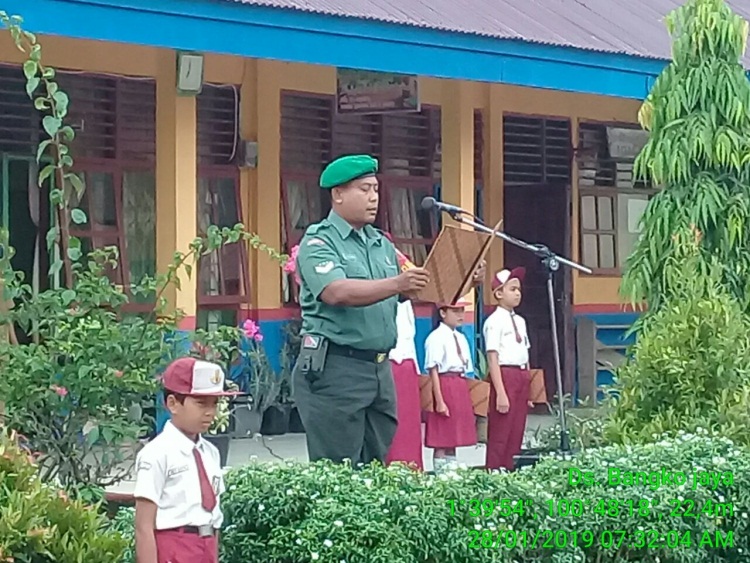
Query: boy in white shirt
(448, 359)
(507, 345)
(178, 474)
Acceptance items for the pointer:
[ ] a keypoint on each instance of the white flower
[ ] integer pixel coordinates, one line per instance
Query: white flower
(314, 556)
(261, 507)
(328, 543)
(299, 541)
(338, 523)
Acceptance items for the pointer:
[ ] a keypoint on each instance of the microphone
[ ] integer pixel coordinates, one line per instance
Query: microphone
(431, 203)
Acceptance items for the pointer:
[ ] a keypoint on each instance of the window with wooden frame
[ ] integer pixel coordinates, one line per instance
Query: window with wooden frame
(115, 149)
(611, 202)
(536, 150)
(313, 134)
(20, 122)
(223, 280)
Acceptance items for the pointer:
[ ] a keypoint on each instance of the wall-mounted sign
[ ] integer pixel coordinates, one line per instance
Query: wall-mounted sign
(360, 91)
(626, 142)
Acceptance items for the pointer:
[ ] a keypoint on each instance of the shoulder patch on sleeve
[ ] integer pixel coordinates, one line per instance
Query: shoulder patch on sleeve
(324, 267)
(314, 241)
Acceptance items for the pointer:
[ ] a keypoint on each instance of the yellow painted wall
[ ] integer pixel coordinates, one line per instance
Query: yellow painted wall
(495, 100)
(263, 80)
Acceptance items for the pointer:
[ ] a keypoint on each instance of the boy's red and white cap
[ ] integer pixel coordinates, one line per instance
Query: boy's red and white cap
(504, 276)
(189, 376)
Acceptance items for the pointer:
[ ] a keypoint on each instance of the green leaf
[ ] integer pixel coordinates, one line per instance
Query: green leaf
(93, 436)
(30, 69)
(55, 267)
(31, 85)
(46, 173)
(78, 216)
(61, 103)
(51, 125)
(76, 182)
(51, 237)
(68, 296)
(74, 253)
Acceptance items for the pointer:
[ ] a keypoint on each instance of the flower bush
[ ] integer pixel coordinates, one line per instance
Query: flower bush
(40, 524)
(298, 513)
(690, 367)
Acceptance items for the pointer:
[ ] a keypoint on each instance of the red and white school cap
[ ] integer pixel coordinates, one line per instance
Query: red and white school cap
(189, 376)
(503, 276)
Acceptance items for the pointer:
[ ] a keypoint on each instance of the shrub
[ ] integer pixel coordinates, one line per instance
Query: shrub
(39, 524)
(691, 365)
(298, 513)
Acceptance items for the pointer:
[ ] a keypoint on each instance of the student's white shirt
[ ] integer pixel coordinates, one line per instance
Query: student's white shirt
(500, 337)
(406, 329)
(441, 351)
(167, 475)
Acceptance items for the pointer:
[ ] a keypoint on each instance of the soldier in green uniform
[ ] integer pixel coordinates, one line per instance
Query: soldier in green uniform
(350, 287)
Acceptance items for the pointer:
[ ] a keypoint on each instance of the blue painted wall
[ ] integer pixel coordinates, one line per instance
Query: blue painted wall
(238, 29)
(610, 333)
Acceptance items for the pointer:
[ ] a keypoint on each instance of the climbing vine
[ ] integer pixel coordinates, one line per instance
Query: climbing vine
(54, 151)
(698, 153)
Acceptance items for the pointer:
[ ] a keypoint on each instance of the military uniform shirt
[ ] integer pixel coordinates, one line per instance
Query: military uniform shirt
(333, 250)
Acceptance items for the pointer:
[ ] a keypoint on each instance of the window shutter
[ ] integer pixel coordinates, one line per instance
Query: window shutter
(408, 144)
(136, 119)
(92, 114)
(536, 150)
(218, 122)
(20, 122)
(356, 134)
(305, 132)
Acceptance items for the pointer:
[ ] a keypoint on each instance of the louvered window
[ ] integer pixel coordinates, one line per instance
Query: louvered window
(611, 203)
(218, 121)
(536, 150)
(20, 123)
(115, 149)
(223, 279)
(312, 134)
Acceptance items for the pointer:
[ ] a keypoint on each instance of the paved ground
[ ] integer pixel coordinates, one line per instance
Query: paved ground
(292, 446)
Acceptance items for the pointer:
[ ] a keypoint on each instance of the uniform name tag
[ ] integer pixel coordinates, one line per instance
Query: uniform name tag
(172, 471)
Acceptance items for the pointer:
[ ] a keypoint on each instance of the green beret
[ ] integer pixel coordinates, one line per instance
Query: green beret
(348, 168)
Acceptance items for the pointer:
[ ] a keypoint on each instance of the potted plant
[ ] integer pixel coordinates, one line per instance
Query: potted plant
(255, 377)
(218, 432)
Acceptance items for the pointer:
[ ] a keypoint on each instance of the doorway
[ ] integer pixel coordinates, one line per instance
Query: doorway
(542, 214)
(23, 209)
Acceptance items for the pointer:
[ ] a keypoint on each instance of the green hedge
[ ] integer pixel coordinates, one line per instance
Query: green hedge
(39, 524)
(298, 513)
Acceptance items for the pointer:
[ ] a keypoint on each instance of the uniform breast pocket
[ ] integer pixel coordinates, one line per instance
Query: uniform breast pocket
(356, 271)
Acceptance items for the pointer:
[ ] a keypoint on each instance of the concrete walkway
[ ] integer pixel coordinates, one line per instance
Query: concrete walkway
(293, 446)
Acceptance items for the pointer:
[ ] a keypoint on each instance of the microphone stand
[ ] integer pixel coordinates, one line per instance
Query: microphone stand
(551, 263)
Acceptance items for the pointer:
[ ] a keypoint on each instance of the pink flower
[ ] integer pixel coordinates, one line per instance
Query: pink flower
(61, 391)
(291, 264)
(251, 328)
(258, 337)
(118, 373)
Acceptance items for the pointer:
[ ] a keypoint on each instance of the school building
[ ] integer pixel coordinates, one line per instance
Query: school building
(198, 112)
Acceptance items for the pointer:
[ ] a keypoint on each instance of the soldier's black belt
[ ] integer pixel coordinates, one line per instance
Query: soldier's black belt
(363, 355)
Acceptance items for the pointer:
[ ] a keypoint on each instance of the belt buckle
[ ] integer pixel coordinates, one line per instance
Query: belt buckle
(380, 358)
(205, 531)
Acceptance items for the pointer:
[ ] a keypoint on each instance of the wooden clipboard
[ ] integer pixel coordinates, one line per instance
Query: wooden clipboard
(478, 389)
(452, 262)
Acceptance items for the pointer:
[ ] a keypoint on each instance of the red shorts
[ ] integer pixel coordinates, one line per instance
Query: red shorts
(178, 546)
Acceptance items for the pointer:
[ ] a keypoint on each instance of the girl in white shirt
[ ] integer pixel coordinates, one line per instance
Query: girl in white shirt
(448, 359)
(407, 443)
(507, 345)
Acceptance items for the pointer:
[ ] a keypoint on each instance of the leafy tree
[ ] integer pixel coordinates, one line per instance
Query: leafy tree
(698, 153)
